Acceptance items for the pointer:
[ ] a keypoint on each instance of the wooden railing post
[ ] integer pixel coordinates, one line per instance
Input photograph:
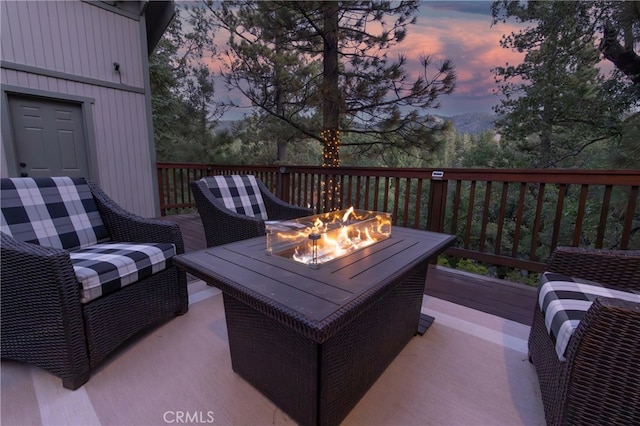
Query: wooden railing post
(161, 190)
(437, 202)
(284, 184)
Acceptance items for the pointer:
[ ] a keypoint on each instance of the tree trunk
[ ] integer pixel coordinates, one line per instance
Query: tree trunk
(626, 60)
(331, 104)
(282, 151)
(546, 132)
(330, 89)
(282, 144)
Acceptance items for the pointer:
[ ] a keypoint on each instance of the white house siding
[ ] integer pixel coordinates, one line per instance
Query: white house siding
(80, 39)
(73, 37)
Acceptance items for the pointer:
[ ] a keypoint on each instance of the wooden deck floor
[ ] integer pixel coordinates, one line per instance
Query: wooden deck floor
(498, 297)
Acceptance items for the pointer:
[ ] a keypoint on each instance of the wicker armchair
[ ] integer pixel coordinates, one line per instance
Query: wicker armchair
(599, 381)
(46, 320)
(223, 224)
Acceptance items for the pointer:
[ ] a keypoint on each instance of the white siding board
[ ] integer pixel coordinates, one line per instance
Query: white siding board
(134, 148)
(74, 35)
(105, 145)
(62, 86)
(32, 80)
(53, 85)
(16, 28)
(128, 76)
(81, 22)
(91, 43)
(107, 45)
(43, 82)
(119, 143)
(95, 43)
(142, 171)
(100, 136)
(105, 58)
(136, 162)
(6, 41)
(147, 171)
(36, 34)
(133, 66)
(9, 77)
(114, 138)
(63, 49)
(116, 47)
(136, 52)
(103, 46)
(24, 43)
(23, 79)
(56, 36)
(47, 39)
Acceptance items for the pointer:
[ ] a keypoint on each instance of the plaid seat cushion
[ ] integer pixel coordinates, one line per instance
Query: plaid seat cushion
(564, 301)
(55, 212)
(105, 268)
(239, 193)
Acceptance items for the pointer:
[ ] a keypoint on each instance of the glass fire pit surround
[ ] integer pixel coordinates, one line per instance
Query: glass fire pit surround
(314, 240)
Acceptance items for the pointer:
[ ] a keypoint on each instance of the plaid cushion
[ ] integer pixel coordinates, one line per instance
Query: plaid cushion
(239, 193)
(105, 268)
(565, 301)
(55, 212)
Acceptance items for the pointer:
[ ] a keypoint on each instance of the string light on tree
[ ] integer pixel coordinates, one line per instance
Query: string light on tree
(331, 152)
(331, 158)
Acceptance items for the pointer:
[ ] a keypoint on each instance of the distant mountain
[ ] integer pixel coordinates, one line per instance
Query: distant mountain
(473, 122)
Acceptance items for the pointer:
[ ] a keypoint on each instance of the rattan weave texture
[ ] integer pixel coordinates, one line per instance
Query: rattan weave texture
(599, 383)
(43, 321)
(222, 226)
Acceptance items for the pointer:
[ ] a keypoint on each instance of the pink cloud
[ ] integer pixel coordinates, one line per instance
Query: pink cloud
(472, 44)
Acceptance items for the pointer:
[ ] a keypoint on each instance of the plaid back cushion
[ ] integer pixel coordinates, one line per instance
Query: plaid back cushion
(239, 193)
(55, 212)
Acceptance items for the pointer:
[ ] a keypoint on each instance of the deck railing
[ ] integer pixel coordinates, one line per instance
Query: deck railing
(510, 218)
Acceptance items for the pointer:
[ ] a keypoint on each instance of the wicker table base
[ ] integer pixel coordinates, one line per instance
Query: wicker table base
(314, 341)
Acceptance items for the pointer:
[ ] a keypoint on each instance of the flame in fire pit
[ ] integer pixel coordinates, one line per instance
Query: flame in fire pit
(321, 238)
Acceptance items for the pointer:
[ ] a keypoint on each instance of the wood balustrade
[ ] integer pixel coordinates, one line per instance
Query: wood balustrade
(507, 217)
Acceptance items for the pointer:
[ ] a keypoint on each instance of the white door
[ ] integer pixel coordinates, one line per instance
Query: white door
(49, 137)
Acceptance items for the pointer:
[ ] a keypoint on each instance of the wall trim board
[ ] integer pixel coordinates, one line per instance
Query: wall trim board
(70, 77)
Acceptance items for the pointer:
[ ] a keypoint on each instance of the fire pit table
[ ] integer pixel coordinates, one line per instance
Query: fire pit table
(314, 340)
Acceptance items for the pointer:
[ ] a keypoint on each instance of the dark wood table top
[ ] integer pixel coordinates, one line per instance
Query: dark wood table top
(316, 300)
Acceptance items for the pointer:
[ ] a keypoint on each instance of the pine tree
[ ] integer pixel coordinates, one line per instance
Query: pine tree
(183, 107)
(557, 104)
(322, 67)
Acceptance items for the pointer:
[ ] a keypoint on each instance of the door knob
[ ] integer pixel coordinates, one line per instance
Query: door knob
(23, 164)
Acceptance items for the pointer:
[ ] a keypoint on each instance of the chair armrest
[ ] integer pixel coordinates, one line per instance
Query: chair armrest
(41, 310)
(611, 268)
(123, 225)
(222, 225)
(278, 209)
(603, 357)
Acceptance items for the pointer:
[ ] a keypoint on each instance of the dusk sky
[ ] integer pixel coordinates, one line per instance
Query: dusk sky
(462, 31)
